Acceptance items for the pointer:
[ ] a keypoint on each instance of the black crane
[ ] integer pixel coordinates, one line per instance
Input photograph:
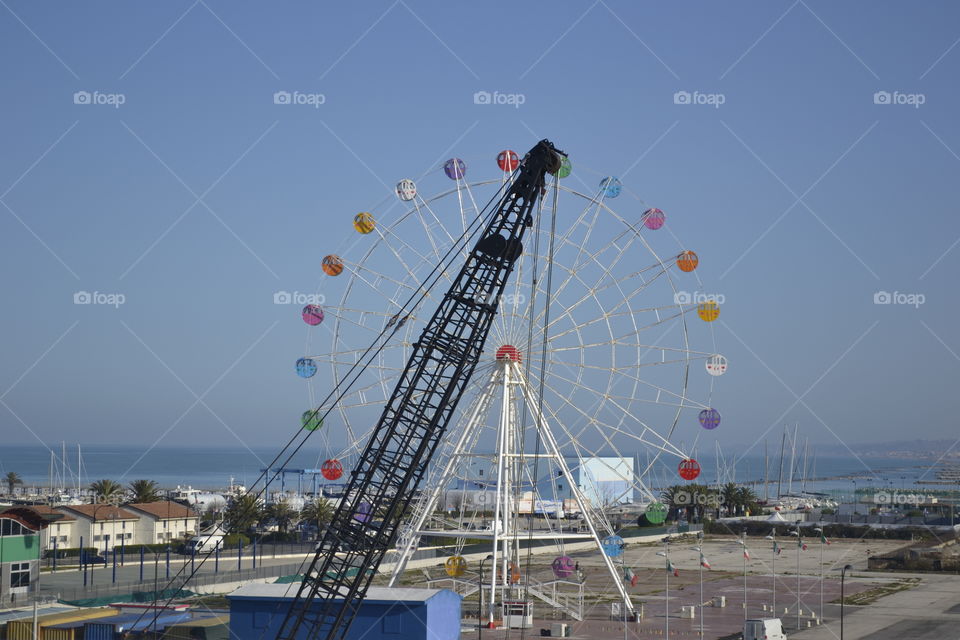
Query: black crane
(414, 419)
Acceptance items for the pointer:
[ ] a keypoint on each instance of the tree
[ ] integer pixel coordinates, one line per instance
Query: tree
(242, 513)
(317, 512)
(145, 491)
(107, 490)
(730, 498)
(282, 514)
(12, 479)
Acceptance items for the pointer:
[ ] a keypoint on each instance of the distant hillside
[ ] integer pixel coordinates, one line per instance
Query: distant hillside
(898, 449)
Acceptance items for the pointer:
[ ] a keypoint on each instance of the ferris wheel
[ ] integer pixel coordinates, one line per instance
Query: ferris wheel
(599, 363)
(628, 366)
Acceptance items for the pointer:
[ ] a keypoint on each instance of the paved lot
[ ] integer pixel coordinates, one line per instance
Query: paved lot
(929, 610)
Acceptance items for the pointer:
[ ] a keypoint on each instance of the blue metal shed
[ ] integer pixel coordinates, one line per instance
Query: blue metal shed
(258, 610)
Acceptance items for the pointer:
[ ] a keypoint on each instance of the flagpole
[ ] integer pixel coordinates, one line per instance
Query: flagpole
(799, 549)
(744, 544)
(822, 542)
(666, 554)
(702, 560)
(773, 566)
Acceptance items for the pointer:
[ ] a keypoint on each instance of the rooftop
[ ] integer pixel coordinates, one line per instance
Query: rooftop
(374, 594)
(99, 511)
(164, 509)
(47, 511)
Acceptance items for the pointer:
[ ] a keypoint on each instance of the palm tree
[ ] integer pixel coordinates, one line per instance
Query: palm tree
(145, 491)
(730, 498)
(12, 479)
(317, 512)
(107, 490)
(242, 513)
(748, 500)
(283, 514)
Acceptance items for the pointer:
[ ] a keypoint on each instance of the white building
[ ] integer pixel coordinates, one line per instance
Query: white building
(163, 521)
(102, 526)
(607, 481)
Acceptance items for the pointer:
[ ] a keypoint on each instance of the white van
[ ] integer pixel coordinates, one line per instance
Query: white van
(204, 543)
(767, 629)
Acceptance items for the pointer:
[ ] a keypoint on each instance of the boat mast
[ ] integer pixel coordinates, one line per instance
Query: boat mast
(783, 443)
(766, 473)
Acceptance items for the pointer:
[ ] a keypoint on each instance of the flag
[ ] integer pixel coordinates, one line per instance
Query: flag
(672, 569)
(703, 562)
(776, 548)
(823, 539)
(630, 577)
(746, 554)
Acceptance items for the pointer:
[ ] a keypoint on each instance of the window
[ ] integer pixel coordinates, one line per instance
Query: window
(101, 526)
(393, 623)
(123, 525)
(97, 538)
(160, 537)
(10, 527)
(164, 524)
(63, 538)
(19, 574)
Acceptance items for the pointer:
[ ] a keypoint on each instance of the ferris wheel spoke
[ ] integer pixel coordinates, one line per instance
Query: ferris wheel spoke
(579, 448)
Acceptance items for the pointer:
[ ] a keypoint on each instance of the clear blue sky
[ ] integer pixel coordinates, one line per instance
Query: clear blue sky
(92, 194)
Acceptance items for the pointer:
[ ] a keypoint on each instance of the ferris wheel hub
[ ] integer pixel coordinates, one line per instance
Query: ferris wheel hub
(509, 353)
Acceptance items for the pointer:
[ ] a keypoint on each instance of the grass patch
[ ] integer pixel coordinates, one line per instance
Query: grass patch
(872, 595)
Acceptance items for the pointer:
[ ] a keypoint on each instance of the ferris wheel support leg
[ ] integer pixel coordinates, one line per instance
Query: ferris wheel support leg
(501, 505)
(554, 449)
(409, 546)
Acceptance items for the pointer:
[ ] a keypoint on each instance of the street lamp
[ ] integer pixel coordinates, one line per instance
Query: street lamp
(480, 612)
(843, 574)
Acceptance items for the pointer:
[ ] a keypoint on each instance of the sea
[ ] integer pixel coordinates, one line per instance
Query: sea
(215, 468)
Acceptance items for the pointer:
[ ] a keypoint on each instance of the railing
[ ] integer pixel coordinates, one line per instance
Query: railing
(199, 580)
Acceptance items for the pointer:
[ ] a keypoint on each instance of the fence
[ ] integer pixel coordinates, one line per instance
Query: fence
(181, 582)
